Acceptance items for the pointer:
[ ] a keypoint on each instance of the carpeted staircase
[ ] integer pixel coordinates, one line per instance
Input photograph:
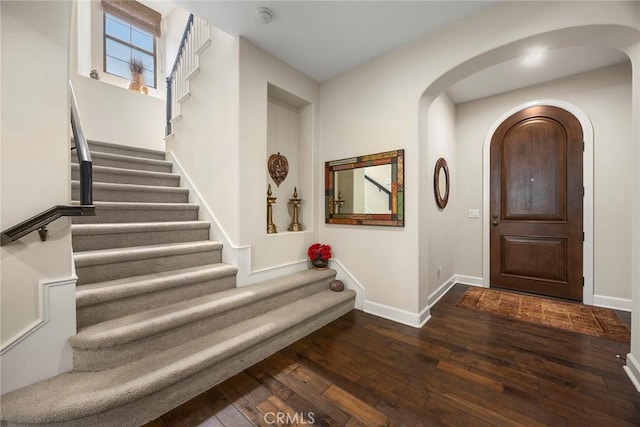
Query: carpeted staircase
(160, 319)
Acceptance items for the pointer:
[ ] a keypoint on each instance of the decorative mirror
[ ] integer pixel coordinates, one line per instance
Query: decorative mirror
(366, 190)
(441, 183)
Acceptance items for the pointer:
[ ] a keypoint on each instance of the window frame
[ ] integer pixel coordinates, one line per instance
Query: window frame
(106, 36)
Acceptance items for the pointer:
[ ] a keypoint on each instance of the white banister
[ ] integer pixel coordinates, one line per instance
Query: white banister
(196, 38)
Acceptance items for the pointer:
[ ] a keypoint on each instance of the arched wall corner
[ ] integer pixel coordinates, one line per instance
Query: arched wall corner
(620, 37)
(587, 163)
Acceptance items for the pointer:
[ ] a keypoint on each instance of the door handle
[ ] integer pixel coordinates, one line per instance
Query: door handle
(494, 222)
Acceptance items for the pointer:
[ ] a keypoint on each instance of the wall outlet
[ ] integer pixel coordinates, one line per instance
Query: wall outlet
(474, 213)
(439, 271)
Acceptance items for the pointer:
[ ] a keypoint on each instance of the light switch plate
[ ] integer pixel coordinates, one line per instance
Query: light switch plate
(474, 213)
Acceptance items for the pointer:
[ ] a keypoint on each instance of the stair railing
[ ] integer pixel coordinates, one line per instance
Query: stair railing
(82, 151)
(40, 221)
(195, 38)
(380, 187)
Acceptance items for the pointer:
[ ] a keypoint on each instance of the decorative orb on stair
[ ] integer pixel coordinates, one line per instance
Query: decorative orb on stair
(336, 286)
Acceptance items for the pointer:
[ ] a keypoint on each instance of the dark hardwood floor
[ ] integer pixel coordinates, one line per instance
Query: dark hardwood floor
(463, 368)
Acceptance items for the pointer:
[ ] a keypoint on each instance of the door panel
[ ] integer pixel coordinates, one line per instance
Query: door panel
(534, 167)
(536, 203)
(535, 257)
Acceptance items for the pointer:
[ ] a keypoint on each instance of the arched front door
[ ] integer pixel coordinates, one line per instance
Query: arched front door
(536, 231)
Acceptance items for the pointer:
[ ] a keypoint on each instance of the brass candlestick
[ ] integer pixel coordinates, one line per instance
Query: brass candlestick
(339, 203)
(295, 202)
(271, 227)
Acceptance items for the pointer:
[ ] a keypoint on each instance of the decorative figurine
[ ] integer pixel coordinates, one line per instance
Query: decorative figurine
(94, 74)
(295, 202)
(278, 168)
(271, 227)
(339, 203)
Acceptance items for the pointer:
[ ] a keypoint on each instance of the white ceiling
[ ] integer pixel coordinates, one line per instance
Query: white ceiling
(164, 7)
(323, 39)
(521, 72)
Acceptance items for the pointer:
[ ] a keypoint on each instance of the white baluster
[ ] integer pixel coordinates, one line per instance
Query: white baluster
(190, 53)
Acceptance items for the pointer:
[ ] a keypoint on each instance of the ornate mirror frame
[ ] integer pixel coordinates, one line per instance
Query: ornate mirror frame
(395, 218)
(441, 167)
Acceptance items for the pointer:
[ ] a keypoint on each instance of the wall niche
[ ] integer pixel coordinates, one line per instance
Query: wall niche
(289, 132)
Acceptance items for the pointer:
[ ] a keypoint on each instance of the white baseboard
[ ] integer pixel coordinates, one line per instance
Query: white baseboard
(612, 302)
(349, 281)
(42, 350)
(469, 280)
(417, 320)
(424, 316)
(441, 291)
(632, 368)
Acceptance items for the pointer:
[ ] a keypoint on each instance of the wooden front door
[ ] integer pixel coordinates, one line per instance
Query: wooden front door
(536, 203)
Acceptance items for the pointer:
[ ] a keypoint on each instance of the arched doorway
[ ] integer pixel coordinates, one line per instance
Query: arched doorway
(587, 182)
(536, 192)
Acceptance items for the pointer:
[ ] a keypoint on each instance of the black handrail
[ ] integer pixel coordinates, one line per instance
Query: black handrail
(377, 184)
(380, 187)
(40, 221)
(82, 150)
(168, 127)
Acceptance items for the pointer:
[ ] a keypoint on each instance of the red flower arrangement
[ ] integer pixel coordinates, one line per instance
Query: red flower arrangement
(319, 251)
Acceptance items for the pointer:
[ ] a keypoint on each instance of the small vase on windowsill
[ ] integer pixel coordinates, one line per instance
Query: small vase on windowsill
(137, 84)
(137, 78)
(320, 264)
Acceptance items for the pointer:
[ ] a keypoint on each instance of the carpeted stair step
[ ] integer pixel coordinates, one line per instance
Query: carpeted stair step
(128, 176)
(123, 150)
(133, 394)
(127, 162)
(112, 264)
(123, 212)
(109, 192)
(126, 339)
(91, 237)
(103, 301)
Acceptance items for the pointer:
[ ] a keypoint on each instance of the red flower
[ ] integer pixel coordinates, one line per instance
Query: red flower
(319, 251)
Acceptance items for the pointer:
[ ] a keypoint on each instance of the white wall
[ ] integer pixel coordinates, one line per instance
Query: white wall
(633, 358)
(258, 69)
(108, 111)
(605, 96)
(225, 164)
(35, 175)
(376, 107)
(120, 116)
(439, 124)
(206, 137)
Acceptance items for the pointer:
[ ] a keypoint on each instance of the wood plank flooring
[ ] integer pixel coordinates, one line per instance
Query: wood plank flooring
(463, 368)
